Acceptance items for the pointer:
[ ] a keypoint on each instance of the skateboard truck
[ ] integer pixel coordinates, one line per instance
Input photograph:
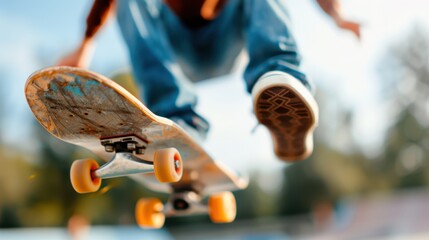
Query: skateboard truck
(221, 207)
(130, 143)
(185, 203)
(123, 164)
(166, 163)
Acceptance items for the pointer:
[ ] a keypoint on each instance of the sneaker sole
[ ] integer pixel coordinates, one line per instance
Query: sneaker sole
(290, 113)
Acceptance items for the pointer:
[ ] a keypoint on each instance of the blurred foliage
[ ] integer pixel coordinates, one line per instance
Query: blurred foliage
(125, 79)
(35, 189)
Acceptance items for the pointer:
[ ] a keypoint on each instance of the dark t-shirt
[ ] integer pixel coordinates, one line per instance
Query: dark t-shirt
(189, 11)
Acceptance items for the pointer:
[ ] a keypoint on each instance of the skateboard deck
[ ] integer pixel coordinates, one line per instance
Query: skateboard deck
(91, 111)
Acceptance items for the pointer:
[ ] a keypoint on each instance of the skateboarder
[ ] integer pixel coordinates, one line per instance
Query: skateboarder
(175, 42)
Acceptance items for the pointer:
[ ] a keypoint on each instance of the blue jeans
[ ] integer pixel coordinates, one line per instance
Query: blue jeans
(166, 56)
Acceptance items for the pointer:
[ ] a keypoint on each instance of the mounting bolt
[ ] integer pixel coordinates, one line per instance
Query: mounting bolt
(139, 151)
(131, 146)
(109, 148)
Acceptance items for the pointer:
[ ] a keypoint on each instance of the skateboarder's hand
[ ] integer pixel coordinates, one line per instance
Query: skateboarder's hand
(79, 58)
(354, 27)
(333, 9)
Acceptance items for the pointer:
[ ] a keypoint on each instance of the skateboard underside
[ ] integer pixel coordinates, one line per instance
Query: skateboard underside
(85, 109)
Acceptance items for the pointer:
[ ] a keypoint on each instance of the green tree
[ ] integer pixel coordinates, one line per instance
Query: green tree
(405, 74)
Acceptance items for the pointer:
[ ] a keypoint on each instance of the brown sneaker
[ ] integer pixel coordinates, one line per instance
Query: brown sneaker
(287, 108)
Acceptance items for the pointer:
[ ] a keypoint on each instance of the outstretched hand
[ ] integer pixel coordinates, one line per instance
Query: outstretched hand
(351, 26)
(333, 9)
(79, 58)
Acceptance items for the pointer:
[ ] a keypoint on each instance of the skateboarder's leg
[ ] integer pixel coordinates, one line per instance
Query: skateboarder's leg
(210, 50)
(282, 98)
(164, 87)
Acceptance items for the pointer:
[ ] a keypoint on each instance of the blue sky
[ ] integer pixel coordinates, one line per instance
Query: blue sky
(38, 34)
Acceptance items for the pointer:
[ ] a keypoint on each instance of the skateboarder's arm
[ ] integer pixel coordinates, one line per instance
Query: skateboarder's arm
(333, 9)
(100, 12)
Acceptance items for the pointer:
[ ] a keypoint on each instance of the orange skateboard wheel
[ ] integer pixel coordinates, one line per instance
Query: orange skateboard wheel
(222, 207)
(82, 177)
(149, 213)
(168, 165)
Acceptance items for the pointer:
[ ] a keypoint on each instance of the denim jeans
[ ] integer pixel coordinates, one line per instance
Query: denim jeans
(166, 56)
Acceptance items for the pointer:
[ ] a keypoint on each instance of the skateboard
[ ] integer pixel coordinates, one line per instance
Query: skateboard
(91, 111)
